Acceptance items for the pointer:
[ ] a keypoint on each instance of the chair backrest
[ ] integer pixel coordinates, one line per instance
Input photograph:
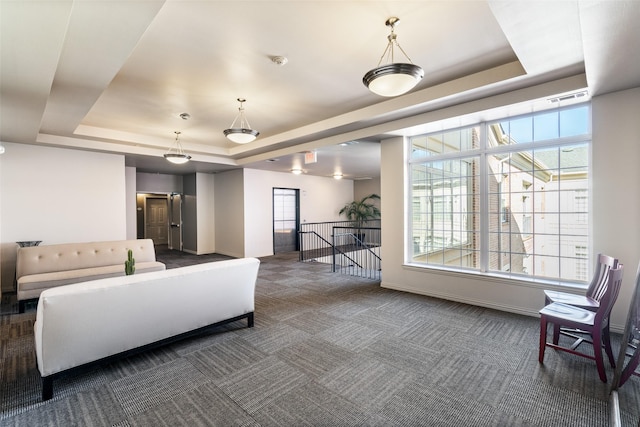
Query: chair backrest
(610, 295)
(600, 279)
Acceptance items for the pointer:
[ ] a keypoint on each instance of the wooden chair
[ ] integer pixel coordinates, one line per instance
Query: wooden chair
(594, 323)
(589, 301)
(594, 293)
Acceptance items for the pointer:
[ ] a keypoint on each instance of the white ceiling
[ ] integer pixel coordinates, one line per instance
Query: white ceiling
(114, 76)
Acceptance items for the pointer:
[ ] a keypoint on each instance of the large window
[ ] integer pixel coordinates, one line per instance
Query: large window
(507, 197)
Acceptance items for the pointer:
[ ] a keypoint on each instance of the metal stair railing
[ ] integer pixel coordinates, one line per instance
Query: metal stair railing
(315, 239)
(358, 258)
(343, 246)
(333, 248)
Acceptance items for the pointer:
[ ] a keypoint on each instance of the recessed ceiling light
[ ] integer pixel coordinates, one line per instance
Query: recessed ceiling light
(272, 160)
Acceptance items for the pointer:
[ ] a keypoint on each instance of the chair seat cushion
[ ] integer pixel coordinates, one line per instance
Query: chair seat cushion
(570, 313)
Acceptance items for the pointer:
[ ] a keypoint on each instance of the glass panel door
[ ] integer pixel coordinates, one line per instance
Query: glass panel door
(285, 220)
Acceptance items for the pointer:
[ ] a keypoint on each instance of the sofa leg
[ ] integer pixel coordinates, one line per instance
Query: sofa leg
(250, 320)
(21, 306)
(47, 388)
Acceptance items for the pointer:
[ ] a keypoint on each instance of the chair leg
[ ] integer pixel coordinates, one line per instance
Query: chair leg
(606, 340)
(556, 333)
(543, 338)
(597, 351)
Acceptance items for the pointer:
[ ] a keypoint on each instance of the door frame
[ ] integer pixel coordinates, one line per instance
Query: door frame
(141, 215)
(175, 224)
(273, 207)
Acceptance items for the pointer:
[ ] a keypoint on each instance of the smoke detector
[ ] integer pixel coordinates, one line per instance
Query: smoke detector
(279, 60)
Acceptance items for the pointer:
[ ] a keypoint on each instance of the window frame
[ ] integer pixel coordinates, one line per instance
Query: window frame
(483, 151)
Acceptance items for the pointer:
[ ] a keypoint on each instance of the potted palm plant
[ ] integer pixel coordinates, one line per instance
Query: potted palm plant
(359, 212)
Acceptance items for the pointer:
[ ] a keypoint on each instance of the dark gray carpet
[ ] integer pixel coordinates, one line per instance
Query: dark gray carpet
(326, 350)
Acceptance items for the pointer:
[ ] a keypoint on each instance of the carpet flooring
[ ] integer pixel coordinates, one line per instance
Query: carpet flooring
(326, 350)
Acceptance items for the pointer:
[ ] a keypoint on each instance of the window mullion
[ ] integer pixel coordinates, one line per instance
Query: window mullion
(484, 202)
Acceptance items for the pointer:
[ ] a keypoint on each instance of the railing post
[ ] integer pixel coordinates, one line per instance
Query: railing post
(333, 251)
(301, 246)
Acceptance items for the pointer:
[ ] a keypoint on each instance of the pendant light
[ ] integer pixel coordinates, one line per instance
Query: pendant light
(176, 153)
(393, 78)
(243, 133)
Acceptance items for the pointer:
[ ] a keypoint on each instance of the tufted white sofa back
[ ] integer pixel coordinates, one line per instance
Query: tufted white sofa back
(74, 256)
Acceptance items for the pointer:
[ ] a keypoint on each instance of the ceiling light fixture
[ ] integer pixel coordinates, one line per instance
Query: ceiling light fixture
(242, 134)
(296, 171)
(394, 78)
(176, 153)
(337, 175)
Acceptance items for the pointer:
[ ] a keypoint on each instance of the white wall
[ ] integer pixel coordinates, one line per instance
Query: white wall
(616, 175)
(320, 200)
(58, 196)
(616, 210)
(205, 187)
(365, 187)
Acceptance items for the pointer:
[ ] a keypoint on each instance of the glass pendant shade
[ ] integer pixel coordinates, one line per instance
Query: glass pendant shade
(176, 153)
(243, 133)
(178, 159)
(393, 78)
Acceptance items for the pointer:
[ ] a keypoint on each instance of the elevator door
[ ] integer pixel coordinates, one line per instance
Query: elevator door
(285, 219)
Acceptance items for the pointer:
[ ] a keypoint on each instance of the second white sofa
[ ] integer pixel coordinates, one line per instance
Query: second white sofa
(102, 319)
(43, 267)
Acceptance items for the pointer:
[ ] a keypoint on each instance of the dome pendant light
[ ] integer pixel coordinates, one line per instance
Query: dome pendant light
(242, 134)
(394, 78)
(176, 153)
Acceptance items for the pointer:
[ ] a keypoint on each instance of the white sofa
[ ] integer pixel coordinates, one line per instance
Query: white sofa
(97, 321)
(43, 267)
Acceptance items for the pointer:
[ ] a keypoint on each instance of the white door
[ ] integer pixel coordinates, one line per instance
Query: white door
(157, 221)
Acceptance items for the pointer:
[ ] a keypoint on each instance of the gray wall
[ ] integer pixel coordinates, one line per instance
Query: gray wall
(190, 215)
(158, 183)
